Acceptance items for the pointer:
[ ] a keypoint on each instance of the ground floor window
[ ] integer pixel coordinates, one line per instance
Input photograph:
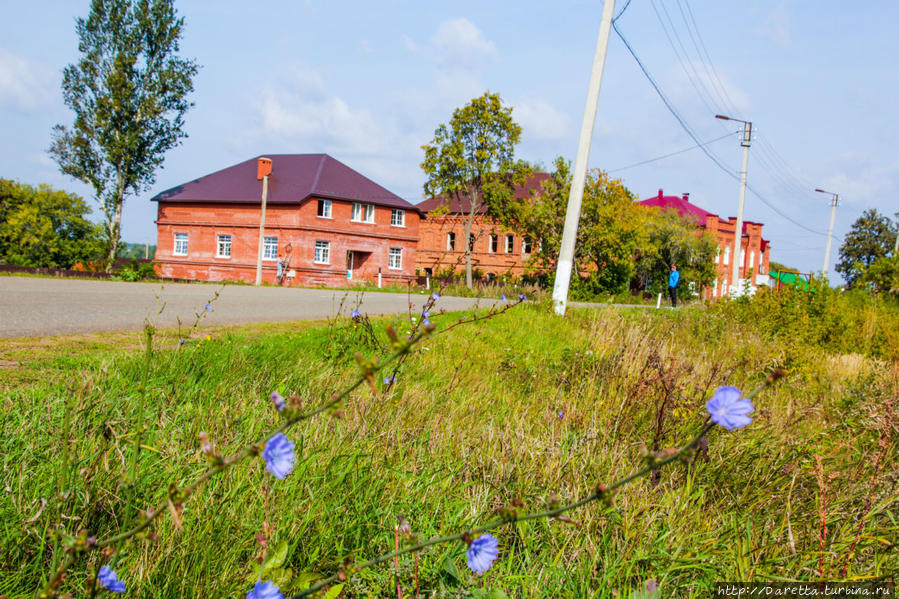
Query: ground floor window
(526, 245)
(180, 244)
(450, 242)
(493, 243)
(510, 243)
(223, 247)
(322, 252)
(269, 248)
(395, 258)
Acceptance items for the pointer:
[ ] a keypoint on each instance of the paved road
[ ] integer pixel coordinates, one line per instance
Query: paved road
(31, 306)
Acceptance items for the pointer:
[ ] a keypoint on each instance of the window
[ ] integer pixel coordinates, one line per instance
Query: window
(726, 255)
(395, 258)
(715, 289)
(450, 242)
(223, 249)
(269, 248)
(322, 252)
(471, 239)
(717, 259)
(510, 243)
(526, 245)
(751, 259)
(180, 244)
(364, 213)
(494, 240)
(398, 218)
(742, 257)
(324, 208)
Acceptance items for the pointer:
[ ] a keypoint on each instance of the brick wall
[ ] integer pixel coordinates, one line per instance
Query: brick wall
(300, 226)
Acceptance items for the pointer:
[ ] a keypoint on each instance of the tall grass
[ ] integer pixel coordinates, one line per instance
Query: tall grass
(522, 406)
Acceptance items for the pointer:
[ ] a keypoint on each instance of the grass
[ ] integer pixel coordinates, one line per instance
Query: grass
(472, 424)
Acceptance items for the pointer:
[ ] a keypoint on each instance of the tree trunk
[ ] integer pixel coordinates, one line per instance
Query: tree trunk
(114, 226)
(473, 207)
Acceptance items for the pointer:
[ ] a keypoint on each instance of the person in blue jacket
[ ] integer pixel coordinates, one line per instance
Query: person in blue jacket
(673, 280)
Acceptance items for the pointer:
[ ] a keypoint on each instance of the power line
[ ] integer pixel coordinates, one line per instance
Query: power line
(693, 147)
(693, 136)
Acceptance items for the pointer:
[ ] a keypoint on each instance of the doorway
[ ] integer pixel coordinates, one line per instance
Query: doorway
(350, 263)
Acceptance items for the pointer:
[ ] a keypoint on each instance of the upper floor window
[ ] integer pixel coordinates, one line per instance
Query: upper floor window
(269, 248)
(494, 240)
(727, 255)
(510, 243)
(223, 247)
(526, 245)
(322, 252)
(751, 259)
(180, 244)
(471, 239)
(324, 208)
(395, 258)
(364, 213)
(717, 258)
(398, 218)
(450, 242)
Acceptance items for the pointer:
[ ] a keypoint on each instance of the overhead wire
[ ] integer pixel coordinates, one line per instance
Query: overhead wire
(669, 155)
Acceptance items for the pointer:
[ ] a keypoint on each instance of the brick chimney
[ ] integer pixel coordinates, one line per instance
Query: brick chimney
(660, 194)
(263, 168)
(686, 197)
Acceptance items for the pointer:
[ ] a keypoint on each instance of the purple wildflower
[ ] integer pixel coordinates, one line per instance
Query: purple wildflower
(561, 413)
(390, 380)
(208, 306)
(728, 409)
(265, 590)
(425, 314)
(434, 296)
(482, 552)
(426, 322)
(108, 579)
(278, 400)
(355, 313)
(180, 341)
(279, 456)
(503, 297)
(521, 297)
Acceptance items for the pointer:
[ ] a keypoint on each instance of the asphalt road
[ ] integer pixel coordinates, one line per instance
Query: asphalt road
(31, 306)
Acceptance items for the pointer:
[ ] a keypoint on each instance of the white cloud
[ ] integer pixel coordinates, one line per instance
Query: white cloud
(25, 84)
(457, 44)
(540, 120)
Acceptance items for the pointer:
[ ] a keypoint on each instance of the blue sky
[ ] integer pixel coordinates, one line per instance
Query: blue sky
(369, 82)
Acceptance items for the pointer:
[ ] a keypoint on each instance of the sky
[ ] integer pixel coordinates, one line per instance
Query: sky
(368, 83)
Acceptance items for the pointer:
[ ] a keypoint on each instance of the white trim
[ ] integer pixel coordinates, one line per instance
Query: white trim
(325, 250)
(399, 256)
(402, 213)
(186, 240)
(219, 243)
(365, 211)
(266, 245)
(330, 207)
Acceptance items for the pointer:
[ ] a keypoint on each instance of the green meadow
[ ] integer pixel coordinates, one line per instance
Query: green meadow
(523, 408)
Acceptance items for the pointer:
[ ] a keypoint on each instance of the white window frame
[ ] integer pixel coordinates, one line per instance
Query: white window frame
(715, 289)
(223, 242)
(751, 259)
(322, 252)
(717, 259)
(325, 208)
(270, 251)
(526, 245)
(395, 258)
(397, 217)
(492, 245)
(177, 238)
(726, 255)
(363, 213)
(451, 242)
(510, 243)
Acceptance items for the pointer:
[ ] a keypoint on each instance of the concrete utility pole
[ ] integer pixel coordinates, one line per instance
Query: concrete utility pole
(579, 176)
(833, 213)
(738, 230)
(263, 170)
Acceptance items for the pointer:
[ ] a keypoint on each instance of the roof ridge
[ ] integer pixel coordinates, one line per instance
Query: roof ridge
(318, 174)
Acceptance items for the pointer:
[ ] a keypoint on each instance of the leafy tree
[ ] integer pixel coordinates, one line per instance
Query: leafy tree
(674, 239)
(128, 92)
(882, 275)
(778, 267)
(611, 231)
(472, 160)
(872, 236)
(43, 227)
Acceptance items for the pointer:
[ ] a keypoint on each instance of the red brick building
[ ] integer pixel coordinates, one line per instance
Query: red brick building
(753, 255)
(496, 251)
(328, 225)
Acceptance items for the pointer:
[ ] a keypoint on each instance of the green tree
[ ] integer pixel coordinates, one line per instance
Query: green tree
(129, 95)
(41, 226)
(473, 159)
(872, 236)
(610, 234)
(674, 239)
(882, 275)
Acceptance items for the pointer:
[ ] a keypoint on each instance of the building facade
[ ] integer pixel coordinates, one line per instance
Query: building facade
(325, 224)
(755, 250)
(496, 251)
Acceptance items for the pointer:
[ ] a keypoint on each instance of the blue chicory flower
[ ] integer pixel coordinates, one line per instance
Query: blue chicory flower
(208, 306)
(265, 590)
(425, 314)
(728, 409)
(426, 322)
(482, 552)
(180, 341)
(389, 380)
(521, 297)
(355, 313)
(503, 297)
(279, 456)
(434, 296)
(561, 413)
(278, 400)
(108, 579)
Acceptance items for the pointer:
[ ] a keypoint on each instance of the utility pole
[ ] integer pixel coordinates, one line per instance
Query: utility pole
(738, 229)
(263, 170)
(579, 176)
(833, 213)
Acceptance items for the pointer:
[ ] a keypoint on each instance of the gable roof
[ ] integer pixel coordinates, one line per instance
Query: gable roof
(682, 205)
(462, 204)
(294, 178)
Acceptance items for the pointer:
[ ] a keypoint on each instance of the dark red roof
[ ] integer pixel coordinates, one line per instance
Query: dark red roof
(294, 178)
(682, 205)
(462, 205)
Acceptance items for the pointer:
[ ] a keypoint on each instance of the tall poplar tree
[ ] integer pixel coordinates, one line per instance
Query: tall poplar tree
(129, 95)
